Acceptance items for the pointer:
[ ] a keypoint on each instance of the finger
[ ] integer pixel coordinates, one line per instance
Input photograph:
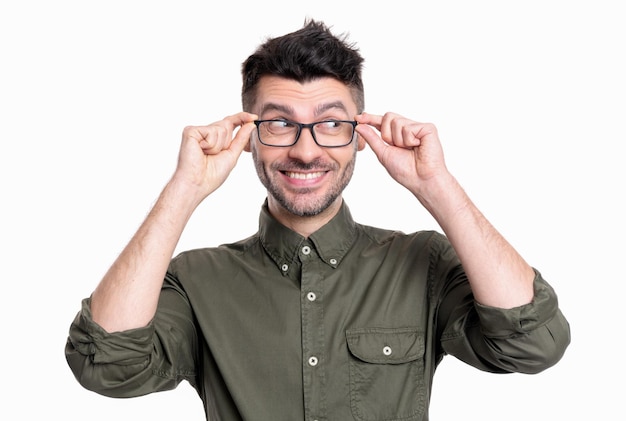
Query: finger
(214, 138)
(242, 138)
(204, 136)
(240, 119)
(372, 138)
(232, 123)
(413, 134)
(402, 132)
(370, 119)
(390, 128)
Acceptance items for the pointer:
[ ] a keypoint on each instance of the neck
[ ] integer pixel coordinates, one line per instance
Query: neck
(303, 225)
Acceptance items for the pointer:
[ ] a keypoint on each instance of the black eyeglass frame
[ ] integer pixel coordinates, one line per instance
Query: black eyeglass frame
(305, 126)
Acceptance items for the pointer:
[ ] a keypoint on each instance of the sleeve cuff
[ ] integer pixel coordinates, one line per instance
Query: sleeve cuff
(503, 323)
(89, 338)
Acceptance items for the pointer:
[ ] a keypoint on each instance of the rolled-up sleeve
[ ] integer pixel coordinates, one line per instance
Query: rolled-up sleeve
(525, 339)
(138, 361)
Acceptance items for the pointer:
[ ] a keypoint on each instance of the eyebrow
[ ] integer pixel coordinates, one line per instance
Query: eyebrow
(329, 106)
(270, 106)
(288, 110)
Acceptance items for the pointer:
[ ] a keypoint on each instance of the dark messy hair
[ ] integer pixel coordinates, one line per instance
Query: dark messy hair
(304, 55)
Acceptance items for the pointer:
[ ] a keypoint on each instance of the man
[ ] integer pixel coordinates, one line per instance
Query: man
(315, 317)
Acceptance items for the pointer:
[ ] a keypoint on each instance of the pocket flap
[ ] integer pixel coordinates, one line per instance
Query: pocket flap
(385, 345)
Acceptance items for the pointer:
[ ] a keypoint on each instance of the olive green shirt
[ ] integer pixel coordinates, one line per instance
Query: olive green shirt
(348, 324)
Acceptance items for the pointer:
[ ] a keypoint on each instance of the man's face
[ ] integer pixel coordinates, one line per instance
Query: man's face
(304, 179)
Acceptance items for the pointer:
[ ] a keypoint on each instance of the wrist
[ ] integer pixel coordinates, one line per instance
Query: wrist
(181, 195)
(442, 196)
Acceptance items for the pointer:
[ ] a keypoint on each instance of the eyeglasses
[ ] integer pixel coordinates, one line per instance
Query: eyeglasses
(327, 133)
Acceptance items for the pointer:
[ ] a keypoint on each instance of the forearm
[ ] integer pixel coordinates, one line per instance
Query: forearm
(128, 294)
(498, 275)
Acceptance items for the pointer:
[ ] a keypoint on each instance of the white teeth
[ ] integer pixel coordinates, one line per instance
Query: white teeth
(304, 176)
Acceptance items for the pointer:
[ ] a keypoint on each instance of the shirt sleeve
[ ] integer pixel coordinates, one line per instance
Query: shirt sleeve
(137, 361)
(525, 339)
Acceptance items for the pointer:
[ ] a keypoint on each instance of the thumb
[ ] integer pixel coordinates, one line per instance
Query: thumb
(242, 138)
(372, 138)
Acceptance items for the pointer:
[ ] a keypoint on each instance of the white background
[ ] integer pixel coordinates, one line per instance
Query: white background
(529, 99)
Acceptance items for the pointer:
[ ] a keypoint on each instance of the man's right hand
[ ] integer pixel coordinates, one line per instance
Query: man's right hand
(209, 153)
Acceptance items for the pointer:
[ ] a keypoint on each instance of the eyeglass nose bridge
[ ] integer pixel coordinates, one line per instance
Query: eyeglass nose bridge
(309, 126)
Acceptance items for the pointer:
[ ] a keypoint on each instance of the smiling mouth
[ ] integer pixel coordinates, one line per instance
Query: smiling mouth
(304, 175)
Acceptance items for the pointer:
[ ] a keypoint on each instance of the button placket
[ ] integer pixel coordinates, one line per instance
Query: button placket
(313, 346)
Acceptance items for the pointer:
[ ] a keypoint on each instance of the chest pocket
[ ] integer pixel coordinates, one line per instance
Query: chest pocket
(386, 374)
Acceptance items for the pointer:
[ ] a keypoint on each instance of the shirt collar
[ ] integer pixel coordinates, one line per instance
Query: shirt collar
(331, 241)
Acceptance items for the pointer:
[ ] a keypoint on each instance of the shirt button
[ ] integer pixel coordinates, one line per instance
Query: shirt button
(311, 296)
(333, 261)
(313, 361)
(285, 267)
(387, 350)
(306, 250)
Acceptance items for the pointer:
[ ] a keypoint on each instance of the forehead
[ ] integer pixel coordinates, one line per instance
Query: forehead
(311, 97)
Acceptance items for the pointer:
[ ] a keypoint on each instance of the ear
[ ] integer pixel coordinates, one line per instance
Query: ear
(360, 142)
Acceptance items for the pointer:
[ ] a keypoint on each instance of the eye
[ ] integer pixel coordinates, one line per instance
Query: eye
(277, 127)
(331, 126)
(279, 124)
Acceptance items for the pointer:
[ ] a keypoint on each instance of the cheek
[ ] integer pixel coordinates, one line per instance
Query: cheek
(262, 155)
(345, 156)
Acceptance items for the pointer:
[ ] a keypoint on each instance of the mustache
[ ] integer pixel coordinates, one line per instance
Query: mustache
(296, 165)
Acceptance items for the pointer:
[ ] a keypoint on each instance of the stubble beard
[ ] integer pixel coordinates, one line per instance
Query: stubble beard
(304, 203)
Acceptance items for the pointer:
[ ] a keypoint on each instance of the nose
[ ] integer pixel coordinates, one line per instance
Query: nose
(305, 149)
